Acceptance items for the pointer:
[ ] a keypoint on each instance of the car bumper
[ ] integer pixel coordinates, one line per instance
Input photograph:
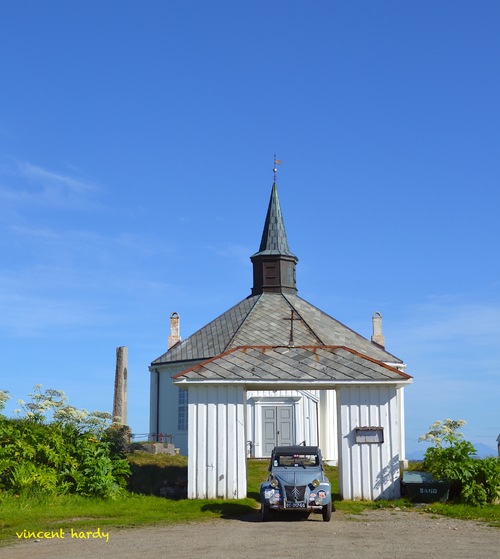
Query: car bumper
(300, 508)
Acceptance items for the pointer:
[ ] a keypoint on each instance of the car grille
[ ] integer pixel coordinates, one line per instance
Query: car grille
(295, 492)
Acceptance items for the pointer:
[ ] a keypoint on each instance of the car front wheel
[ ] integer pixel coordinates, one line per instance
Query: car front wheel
(265, 512)
(327, 512)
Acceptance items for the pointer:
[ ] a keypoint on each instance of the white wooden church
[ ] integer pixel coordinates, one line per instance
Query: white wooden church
(276, 370)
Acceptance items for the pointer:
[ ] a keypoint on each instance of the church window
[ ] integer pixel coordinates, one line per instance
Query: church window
(182, 410)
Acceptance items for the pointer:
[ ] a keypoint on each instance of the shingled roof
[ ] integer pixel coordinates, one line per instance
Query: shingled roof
(264, 320)
(297, 364)
(273, 315)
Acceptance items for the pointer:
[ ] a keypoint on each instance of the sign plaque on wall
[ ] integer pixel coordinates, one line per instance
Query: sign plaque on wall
(369, 435)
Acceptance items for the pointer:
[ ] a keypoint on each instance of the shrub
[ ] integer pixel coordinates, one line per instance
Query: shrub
(70, 453)
(119, 437)
(474, 481)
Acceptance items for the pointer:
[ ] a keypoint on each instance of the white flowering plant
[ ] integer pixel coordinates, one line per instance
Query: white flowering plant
(53, 447)
(52, 404)
(4, 396)
(453, 458)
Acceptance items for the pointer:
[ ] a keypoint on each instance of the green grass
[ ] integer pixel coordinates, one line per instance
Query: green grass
(489, 514)
(141, 506)
(18, 514)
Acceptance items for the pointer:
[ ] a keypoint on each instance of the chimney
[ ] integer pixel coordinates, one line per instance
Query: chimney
(175, 336)
(120, 395)
(378, 336)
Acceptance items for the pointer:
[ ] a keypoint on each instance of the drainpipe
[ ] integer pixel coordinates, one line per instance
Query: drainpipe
(157, 404)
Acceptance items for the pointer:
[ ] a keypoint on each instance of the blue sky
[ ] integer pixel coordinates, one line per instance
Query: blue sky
(136, 150)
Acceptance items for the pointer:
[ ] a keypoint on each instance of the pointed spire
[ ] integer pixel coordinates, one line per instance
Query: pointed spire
(274, 239)
(274, 264)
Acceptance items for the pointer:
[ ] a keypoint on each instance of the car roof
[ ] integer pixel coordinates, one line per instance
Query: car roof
(290, 450)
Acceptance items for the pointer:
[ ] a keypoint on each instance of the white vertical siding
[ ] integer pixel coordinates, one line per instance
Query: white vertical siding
(216, 465)
(307, 415)
(328, 430)
(402, 428)
(369, 471)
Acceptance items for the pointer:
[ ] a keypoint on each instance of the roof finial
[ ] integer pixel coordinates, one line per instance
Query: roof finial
(275, 170)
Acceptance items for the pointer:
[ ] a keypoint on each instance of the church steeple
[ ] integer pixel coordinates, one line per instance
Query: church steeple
(274, 264)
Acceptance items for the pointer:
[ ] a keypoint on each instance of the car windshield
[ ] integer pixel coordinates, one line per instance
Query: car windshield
(305, 460)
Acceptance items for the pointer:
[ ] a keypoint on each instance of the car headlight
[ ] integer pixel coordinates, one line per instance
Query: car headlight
(273, 483)
(315, 483)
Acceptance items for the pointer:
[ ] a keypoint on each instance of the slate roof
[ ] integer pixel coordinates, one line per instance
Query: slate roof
(260, 364)
(264, 320)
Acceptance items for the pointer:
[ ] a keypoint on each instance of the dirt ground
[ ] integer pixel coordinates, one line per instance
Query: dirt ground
(382, 533)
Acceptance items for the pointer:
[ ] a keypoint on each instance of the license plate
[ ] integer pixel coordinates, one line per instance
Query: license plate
(291, 505)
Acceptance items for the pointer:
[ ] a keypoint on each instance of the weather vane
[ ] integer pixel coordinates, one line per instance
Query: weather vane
(275, 170)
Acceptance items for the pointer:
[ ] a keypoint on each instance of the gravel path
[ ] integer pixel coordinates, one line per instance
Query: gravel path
(382, 533)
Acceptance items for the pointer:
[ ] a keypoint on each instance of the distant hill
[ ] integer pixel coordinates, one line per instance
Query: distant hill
(483, 451)
(416, 456)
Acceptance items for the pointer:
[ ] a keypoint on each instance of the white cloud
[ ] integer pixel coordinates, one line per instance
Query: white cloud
(24, 183)
(29, 315)
(38, 173)
(449, 326)
(444, 322)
